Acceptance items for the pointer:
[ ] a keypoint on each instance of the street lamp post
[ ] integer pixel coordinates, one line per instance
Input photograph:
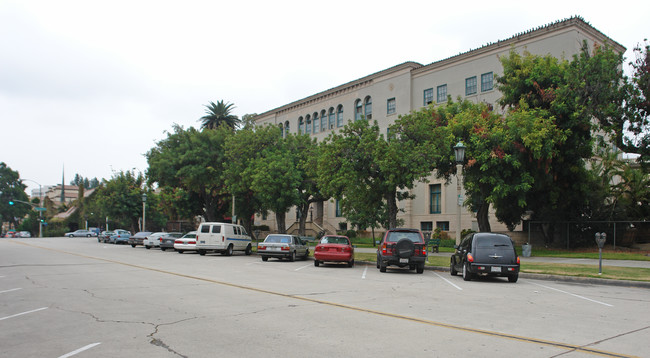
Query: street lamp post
(144, 211)
(459, 151)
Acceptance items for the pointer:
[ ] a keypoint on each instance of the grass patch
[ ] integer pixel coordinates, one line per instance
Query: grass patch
(591, 254)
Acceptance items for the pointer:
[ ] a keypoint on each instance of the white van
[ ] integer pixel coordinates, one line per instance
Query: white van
(222, 237)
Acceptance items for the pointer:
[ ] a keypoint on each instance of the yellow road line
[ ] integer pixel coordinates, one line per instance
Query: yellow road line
(568, 347)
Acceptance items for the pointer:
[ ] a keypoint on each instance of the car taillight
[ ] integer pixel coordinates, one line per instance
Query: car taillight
(192, 242)
(223, 238)
(286, 248)
(470, 258)
(178, 242)
(384, 249)
(346, 249)
(518, 260)
(261, 247)
(318, 248)
(160, 239)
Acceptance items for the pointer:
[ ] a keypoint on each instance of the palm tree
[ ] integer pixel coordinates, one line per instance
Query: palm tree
(218, 114)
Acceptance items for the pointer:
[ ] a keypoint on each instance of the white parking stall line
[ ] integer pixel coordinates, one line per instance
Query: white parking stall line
(80, 350)
(449, 282)
(22, 313)
(365, 270)
(11, 290)
(300, 268)
(573, 294)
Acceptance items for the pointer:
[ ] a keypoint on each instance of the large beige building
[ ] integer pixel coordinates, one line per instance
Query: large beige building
(385, 95)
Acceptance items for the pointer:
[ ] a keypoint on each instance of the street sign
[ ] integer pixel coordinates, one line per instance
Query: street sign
(40, 209)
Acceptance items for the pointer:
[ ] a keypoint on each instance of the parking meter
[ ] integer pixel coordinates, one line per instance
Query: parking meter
(600, 240)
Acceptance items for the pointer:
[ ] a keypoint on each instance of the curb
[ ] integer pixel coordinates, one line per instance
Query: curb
(573, 279)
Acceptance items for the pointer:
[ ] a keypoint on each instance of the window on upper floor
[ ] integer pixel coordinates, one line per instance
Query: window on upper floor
(470, 86)
(323, 120)
(316, 123)
(308, 124)
(390, 106)
(368, 108)
(435, 202)
(332, 119)
(358, 110)
(339, 116)
(339, 211)
(301, 125)
(487, 82)
(441, 93)
(428, 96)
(287, 128)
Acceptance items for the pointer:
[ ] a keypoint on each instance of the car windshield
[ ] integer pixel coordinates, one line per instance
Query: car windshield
(334, 240)
(278, 239)
(395, 236)
(492, 241)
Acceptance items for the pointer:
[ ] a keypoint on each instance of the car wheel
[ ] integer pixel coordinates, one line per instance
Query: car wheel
(163, 248)
(467, 275)
(316, 263)
(351, 263)
(452, 268)
(292, 257)
(87, 235)
(513, 278)
(306, 255)
(179, 251)
(147, 247)
(378, 260)
(420, 268)
(132, 245)
(202, 252)
(264, 258)
(70, 235)
(382, 266)
(249, 250)
(229, 250)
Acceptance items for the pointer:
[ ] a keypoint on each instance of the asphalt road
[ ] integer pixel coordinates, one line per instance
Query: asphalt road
(62, 297)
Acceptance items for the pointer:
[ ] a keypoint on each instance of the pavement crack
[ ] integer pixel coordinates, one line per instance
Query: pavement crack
(160, 343)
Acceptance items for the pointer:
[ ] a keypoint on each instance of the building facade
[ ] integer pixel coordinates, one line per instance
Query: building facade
(385, 95)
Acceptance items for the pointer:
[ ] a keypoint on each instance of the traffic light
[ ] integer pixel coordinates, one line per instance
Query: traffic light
(11, 202)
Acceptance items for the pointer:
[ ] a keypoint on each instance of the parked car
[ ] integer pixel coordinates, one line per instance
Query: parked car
(223, 238)
(334, 248)
(81, 233)
(283, 246)
(11, 233)
(167, 240)
(104, 236)
(120, 237)
(485, 254)
(402, 248)
(24, 234)
(186, 243)
(153, 240)
(138, 238)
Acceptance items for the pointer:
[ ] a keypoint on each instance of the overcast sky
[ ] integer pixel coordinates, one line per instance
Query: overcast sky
(92, 85)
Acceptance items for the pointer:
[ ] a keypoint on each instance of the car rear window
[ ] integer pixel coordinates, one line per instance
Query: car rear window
(492, 241)
(395, 236)
(278, 239)
(334, 240)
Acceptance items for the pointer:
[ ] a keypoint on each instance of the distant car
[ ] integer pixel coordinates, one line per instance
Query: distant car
(104, 236)
(334, 248)
(11, 233)
(81, 233)
(485, 254)
(283, 246)
(186, 243)
(24, 234)
(120, 237)
(167, 240)
(138, 238)
(153, 240)
(402, 248)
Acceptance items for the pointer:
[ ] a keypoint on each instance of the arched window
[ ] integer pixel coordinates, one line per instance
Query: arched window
(358, 110)
(301, 125)
(287, 128)
(368, 107)
(316, 123)
(308, 125)
(339, 116)
(331, 118)
(281, 130)
(323, 121)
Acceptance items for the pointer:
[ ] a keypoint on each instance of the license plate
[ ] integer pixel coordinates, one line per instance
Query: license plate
(495, 269)
(403, 261)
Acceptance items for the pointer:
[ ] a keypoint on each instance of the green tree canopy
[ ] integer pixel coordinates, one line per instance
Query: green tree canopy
(11, 190)
(219, 114)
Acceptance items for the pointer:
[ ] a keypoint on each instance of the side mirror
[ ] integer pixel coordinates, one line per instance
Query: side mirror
(456, 247)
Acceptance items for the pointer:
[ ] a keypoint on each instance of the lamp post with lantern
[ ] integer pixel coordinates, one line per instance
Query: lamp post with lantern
(459, 151)
(144, 211)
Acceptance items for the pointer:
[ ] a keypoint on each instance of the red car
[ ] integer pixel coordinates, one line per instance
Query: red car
(334, 248)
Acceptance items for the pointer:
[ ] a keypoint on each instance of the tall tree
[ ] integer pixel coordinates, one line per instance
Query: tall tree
(219, 114)
(121, 199)
(12, 190)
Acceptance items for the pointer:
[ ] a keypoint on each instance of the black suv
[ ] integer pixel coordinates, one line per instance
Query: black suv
(485, 254)
(402, 247)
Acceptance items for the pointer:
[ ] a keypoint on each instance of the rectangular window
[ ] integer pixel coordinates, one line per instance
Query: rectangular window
(339, 118)
(434, 199)
(487, 81)
(216, 229)
(390, 106)
(441, 94)
(443, 225)
(205, 229)
(332, 120)
(338, 213)
(470, 86)
(428, 96)
(426, 226)
(316, 124)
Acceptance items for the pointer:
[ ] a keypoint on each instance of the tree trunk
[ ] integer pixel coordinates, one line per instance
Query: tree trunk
(304, 208)
(280, 220)
(391, 203)
(482, 217)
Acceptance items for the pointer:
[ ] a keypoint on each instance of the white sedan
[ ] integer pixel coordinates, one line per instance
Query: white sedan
(186, 243)
(153, 240)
